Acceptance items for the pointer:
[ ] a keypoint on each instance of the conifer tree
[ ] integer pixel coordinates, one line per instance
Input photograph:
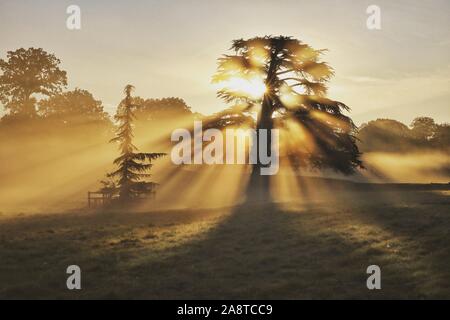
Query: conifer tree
(132, 166)
(284, 82)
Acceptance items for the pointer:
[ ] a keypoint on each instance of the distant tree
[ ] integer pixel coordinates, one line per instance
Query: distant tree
(387, 135)
(133, 166)
(73, 107)
(423, 128)
(165, 108)
(157, 118)
(441, 137)
(384, 135)
(26, 72)
(283, 81)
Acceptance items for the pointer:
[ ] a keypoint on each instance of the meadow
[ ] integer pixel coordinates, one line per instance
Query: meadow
(311, 249)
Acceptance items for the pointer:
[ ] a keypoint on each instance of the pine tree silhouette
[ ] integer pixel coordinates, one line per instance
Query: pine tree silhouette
(132, 166)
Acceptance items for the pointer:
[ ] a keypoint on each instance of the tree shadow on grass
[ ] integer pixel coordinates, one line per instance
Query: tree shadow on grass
(255, 252)
(420, 224)
(262, 252)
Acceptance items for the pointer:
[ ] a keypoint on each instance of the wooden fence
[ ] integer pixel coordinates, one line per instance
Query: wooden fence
(101, 199)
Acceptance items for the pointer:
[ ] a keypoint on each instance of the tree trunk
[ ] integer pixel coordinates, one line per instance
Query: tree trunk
(259, 185)
(258, 189)
(29, 108)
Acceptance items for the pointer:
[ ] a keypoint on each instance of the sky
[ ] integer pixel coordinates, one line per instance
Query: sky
(170, 48)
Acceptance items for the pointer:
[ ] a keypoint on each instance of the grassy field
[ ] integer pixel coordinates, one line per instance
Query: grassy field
(294, 250)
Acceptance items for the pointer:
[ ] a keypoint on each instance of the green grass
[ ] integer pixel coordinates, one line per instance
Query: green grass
(304, 250)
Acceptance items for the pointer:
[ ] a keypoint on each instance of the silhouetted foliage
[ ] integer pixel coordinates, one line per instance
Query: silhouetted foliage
(160, 109)
(26, 72)
(132, 166)
(388, 135)
(293, 95)
(73, 107)
(383, 134)
(423, 128)
(441, 137)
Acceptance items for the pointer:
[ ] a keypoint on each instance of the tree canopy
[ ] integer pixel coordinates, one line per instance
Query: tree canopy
(282, 81)
(165, 108)
(26, 72)
(71, 107)
(389, 135)
(423, 128)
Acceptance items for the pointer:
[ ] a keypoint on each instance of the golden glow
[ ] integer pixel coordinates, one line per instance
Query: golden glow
(258, 56)
(330, 119)
(289, 97)
(412, 167)
(296, 138)
(253, 88)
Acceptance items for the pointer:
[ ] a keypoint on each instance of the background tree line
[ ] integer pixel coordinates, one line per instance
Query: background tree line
(387, 135)
(32, 93)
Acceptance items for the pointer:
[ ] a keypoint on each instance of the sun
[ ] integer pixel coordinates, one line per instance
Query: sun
(254, 88)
